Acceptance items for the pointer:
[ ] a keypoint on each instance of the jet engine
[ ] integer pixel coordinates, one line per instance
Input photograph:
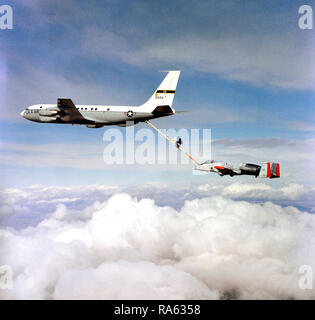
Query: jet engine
(48, 112)
(47, 119)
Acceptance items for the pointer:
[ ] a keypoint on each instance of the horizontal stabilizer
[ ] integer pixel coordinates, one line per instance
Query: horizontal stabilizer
(162, 111)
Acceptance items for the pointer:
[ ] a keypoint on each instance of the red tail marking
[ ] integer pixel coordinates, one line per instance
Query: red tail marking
(268, 170)
(278, 170)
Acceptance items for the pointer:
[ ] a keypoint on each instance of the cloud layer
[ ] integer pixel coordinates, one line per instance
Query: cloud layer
(28, 206)
(211, 248)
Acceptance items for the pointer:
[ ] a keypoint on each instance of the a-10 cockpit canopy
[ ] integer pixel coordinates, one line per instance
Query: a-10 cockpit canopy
(208, 162)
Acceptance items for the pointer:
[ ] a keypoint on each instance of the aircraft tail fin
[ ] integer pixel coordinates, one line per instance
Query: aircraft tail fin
(275, 171)
(162, 99)
(269, 170)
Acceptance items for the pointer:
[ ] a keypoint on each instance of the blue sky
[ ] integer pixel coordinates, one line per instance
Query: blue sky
(247, 73)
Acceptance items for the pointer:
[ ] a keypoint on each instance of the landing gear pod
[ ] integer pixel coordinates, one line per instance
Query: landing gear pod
(269, 170)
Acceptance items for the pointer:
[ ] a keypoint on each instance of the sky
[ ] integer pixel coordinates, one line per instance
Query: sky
(247, 73)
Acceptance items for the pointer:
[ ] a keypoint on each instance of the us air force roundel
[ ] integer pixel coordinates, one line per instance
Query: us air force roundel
(130, 113)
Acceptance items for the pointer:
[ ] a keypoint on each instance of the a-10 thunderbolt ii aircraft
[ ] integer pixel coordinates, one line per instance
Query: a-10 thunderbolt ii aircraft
(97, 116)
(266, 170)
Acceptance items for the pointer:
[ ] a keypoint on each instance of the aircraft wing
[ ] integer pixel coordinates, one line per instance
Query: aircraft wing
(223, 170)
(69, 112)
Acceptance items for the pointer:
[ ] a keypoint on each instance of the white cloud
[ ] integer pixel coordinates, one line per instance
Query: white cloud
(264, 59)
(259, 59)
(159, 282)
(21, 207)
(291, 191)
(129, 248)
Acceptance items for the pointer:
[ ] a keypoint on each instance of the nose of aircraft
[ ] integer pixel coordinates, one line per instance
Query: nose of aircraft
(22, 114)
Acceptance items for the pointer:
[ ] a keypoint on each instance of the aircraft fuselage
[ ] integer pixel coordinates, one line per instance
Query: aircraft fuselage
(92, 114)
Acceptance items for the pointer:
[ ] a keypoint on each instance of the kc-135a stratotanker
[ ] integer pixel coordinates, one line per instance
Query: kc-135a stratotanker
(97, 116)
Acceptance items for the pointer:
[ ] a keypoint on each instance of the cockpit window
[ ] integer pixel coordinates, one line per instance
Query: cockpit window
(208, 161)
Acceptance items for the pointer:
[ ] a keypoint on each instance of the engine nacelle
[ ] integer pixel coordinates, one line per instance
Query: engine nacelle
(47, 119)
(250, 169)
(48, 112)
